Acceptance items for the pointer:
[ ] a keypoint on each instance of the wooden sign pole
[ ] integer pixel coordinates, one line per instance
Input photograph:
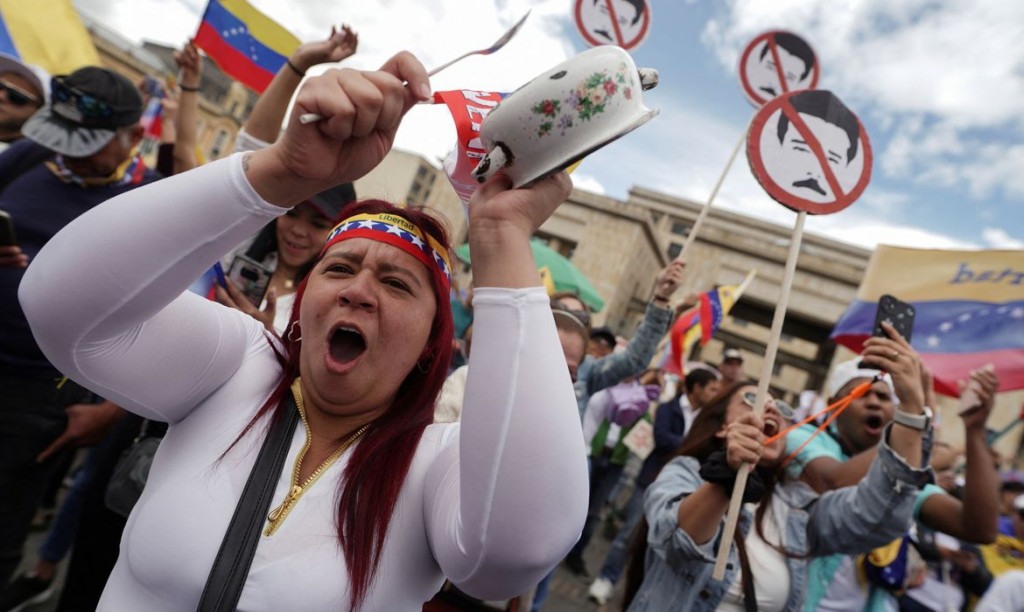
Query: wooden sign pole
(762, 394)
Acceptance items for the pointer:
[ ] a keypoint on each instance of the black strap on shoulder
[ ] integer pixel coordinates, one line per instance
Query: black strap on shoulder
(231, 567)
(32, 157)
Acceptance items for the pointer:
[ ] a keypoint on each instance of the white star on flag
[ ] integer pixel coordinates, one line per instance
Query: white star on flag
(394, 229)
(365, 224)
(416, 240)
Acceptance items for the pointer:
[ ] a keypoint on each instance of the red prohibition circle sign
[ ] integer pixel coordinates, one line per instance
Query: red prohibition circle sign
(802, 153)
(622, 32)
(770, 58)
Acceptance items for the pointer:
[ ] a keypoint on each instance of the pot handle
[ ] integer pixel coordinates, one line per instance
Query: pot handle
(648, 78)
(494, 160)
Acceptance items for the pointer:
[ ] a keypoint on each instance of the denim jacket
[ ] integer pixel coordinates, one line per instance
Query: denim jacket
(599, 373)
(849, 520)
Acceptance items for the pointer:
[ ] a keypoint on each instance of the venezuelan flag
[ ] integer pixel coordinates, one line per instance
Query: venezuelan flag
(244, 42)
(701, 322)
(48, 33)
(969, 310)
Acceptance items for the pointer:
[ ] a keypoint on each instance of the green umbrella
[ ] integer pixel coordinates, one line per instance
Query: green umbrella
(565, 276)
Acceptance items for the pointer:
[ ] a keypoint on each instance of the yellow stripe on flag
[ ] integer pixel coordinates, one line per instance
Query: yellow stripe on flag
(49, 33)
(545, 277)
(263, 28)
(931, 275)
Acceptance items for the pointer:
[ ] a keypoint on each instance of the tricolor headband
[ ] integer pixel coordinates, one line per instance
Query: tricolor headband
(398, 232)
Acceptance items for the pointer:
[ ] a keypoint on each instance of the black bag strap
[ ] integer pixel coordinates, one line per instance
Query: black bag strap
(231, 567)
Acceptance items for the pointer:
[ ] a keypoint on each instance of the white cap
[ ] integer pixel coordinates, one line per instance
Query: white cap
(1018, 502)
(39, 77)
(846, 371)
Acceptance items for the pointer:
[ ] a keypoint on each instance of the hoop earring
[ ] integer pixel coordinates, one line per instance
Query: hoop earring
(424, 368)
(291, 332)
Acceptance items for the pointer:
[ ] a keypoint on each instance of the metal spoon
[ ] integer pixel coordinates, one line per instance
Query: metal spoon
(307, 118)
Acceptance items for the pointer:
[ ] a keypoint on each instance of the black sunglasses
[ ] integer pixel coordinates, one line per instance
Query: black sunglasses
(750, 397)
(16, 96)
(86, 106)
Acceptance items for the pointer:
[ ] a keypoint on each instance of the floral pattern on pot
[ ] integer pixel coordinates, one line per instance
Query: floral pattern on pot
(585, 101)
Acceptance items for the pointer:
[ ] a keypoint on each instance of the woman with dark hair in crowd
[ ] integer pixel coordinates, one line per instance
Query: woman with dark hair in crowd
(782, 523)
(287, 247)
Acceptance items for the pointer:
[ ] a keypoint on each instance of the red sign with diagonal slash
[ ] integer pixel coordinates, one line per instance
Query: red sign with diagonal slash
(775, 63)
(810, 152)
(613, 22)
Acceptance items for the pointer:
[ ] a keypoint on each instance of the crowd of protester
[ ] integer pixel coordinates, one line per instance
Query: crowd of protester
(868, 512)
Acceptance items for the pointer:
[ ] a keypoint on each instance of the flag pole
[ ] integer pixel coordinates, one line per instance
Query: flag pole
(762, 394)
(692, 236)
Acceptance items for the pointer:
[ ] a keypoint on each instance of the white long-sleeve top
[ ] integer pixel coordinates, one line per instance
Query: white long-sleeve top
(492, 504)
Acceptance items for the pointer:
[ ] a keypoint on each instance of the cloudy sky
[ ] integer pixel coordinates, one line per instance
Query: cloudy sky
(937, 84)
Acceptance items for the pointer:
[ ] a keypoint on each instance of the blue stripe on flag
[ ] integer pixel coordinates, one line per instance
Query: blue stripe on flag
(235, 32)
(6, 44)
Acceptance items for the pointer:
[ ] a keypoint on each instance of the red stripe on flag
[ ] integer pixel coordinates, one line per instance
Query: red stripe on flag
(230, 60)
(948, 368)
(706, 319)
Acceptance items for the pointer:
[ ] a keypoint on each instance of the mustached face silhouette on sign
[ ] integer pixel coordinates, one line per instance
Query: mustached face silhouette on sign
(775, 63)
(810, 152)
(613, 22)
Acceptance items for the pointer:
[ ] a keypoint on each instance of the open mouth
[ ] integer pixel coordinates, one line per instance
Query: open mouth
(874, 424)
(346, 345)
(770, 428)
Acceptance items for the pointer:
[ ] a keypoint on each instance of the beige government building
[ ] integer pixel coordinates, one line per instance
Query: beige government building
(620, 246)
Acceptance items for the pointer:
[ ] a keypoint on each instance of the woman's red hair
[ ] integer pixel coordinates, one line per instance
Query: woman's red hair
(380, 461)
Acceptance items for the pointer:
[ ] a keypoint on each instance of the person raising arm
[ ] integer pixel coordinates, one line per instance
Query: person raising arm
(491, 503)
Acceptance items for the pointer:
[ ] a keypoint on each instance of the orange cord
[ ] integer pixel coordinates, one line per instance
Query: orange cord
(836, 409)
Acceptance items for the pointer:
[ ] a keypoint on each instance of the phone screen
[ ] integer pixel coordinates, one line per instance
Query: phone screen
(251, 277)
(7, 230)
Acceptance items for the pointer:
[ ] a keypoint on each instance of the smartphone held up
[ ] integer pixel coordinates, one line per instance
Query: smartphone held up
(895, 312)
(250, 277)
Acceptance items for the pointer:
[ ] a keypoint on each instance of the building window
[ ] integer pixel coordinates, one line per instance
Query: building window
(219, 141)
(680, 228)
(776, 369)
(674, 249)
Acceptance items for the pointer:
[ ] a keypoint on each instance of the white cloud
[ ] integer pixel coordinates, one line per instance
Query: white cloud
(868, 232)
(998, 238)
(586, 182)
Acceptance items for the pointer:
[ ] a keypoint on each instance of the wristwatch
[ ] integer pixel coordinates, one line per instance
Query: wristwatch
(920, 422)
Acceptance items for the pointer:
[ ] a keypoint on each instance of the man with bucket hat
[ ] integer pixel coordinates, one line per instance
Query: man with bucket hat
(77, 152)
(24, 89)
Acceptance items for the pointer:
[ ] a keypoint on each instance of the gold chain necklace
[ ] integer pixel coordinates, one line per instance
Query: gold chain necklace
(278, 514)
